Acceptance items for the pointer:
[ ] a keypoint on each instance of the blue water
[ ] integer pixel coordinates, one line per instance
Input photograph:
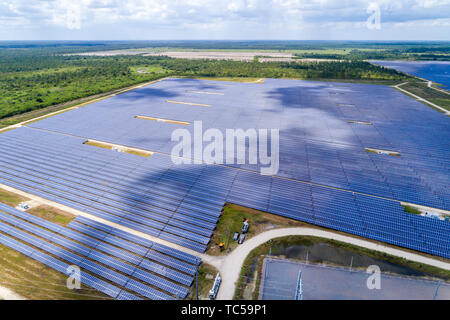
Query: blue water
(437, 71)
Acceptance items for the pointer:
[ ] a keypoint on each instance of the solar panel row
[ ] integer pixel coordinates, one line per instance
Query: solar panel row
(17, 222)
(274, 195)
(140, 209)
(141, 241)
(317, 144)
(315, 132)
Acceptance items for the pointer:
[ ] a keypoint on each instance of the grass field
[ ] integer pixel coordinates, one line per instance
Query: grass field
(206, 276)
(31, 115)
(412, 210)
(35, 281)
(52, 214)
(11, 199)
(232, 219)
(421, 89)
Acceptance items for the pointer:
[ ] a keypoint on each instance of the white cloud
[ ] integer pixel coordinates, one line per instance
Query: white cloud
(233, 19)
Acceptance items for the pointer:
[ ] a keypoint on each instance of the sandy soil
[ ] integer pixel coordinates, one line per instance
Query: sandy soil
(237, 56)
(6, 294)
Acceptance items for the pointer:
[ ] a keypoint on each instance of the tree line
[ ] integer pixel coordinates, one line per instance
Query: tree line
(33, 78)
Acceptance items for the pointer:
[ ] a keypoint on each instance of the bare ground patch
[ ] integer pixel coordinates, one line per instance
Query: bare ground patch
(35, 281)
(232, 219)
(10, 198)
(52, 214)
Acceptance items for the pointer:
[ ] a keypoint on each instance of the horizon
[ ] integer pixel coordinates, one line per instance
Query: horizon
(225, 40)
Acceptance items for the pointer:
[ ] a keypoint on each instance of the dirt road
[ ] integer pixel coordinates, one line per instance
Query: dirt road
(230, 266)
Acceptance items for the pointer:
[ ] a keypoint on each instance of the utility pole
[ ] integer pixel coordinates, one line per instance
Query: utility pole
(351, 264)
(299, 288)
(437, 288)
(196, 283)
(307, 256)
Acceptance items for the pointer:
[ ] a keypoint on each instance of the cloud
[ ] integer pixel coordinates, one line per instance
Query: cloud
(233, 19)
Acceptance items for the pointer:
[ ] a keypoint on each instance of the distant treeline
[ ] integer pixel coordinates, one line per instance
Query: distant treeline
(33, 78)
(435, 54)
(303, 70)
(391, 47)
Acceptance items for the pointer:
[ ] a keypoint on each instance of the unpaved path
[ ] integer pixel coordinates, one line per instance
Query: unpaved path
(6, 294)
(420, 98)
(231, 265)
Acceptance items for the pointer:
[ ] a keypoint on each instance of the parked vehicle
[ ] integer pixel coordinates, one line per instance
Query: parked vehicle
(215, 288)
(23, 206)
(241, 239)
(245, 227)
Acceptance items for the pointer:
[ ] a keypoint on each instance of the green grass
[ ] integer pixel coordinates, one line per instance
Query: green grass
(52, 214)
(11, 199)
(412, 210)
(232, 220)
(441, 102)
(421, 89)
(58, 107)
(35, 281)
(204, 284)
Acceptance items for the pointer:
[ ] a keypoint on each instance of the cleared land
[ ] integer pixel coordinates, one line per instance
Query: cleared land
(231, 221)
(213, 55)
(10, 198)
(52, 214)
(422, 90)
(206, 276)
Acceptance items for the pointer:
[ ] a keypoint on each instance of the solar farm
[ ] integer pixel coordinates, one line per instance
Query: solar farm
(328, 175)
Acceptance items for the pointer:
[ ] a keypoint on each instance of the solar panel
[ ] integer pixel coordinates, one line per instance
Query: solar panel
(318, 144)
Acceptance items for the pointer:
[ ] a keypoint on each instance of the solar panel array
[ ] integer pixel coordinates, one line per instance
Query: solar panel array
(149, 199)
(119, 264)
(337, 209)
(318, 145)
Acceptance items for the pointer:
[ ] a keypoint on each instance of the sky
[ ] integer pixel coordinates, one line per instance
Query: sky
(224, 20)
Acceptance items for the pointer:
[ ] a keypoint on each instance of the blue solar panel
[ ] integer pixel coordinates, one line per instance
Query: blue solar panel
(127, 296)
(95, 255)
(182, 204)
